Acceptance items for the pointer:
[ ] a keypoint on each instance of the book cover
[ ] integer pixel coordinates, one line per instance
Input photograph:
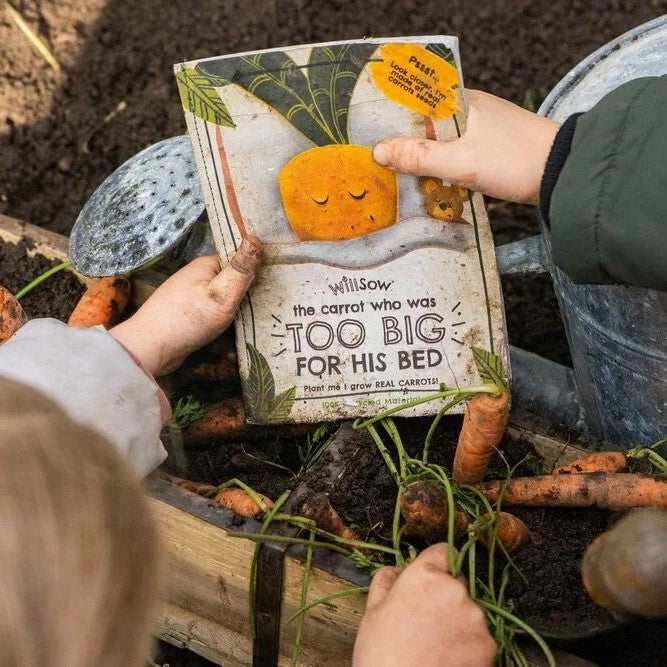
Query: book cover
(376, 286)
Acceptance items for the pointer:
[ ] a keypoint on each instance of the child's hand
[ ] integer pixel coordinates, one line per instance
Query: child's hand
(502, 153)
(189, 310)
(422, 616)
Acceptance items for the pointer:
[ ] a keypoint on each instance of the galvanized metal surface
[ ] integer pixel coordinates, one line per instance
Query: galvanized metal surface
(143, 210)
(617, 334)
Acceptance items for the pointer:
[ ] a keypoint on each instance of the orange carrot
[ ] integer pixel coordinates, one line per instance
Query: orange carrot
(102, 303)
(618, 490)
(201, 488)
(624, 568)
(226, 420)
(596, 462)
(511, 532)
(12, 316)
(425, 510)
(240, 502)
(318, 509)
(483, 427)
(220, 421)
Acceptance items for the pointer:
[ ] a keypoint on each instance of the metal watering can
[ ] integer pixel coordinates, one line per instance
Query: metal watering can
(617, 389)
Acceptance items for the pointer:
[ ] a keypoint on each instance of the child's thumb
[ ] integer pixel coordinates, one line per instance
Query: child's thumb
(421, 157)
(231, 284)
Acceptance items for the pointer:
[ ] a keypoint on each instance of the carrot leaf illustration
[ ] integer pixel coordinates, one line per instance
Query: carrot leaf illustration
(443, 52)
(333, 72)
(281, 406)
(314, 98)
(198, 95)
(261, 389)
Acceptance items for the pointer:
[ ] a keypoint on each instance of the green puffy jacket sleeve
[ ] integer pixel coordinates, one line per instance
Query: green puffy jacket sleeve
(604, 191)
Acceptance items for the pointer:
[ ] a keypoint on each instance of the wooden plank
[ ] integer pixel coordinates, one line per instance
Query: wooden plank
(205, 600)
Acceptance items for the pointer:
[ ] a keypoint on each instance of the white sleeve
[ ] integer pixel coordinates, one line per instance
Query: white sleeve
(95, 380)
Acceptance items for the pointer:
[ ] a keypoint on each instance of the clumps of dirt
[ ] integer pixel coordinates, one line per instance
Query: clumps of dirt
(547, 591)
(55, 297)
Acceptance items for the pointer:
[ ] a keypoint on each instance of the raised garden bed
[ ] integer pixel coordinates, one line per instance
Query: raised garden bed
(205, 602)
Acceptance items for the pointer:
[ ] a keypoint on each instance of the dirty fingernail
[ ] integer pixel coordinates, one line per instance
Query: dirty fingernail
(249, 255)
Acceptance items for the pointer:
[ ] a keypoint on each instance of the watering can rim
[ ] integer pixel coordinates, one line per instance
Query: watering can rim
(584, 67)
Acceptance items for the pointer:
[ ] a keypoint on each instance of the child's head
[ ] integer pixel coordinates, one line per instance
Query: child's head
(78, 546)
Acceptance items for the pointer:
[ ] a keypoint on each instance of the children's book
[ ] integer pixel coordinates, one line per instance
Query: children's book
(377, 288)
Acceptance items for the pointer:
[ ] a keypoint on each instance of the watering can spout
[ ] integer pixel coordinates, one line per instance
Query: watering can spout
(546, 388)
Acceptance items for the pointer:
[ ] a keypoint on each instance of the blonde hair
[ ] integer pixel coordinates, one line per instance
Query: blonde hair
(79, 548)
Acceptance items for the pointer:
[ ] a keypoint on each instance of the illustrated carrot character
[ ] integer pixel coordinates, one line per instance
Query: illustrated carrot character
(620, 490)
(12, 317)
(103, 302)
(484, 424)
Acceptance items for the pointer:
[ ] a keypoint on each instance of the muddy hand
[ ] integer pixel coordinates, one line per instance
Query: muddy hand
(502, 152)
(422, 616)
(190, 309)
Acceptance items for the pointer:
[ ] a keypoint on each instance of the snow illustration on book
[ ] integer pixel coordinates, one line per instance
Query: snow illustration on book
(376, 286)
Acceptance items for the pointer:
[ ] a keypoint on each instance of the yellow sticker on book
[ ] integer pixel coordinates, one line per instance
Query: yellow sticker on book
(417, 79)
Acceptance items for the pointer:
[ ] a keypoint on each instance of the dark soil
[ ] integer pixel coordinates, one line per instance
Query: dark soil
(56, 297)
(553, 599)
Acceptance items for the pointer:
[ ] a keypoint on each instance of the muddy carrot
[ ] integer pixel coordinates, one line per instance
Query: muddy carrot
(596, 462)
(102, 303)
(12, 316)
(619, 490)
(221, 421)
(484, 424)
(318, 509)
(240, 502)
(624, 568)
(226, 420)
(425, 511)
(223, 370)
(201, 488)
(511, 532)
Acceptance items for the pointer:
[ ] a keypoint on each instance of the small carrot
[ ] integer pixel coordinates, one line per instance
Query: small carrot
(425, 510)
(220, 421)
(624, 569)
(318, 509)
(200, 488)
(224, 370)
(511, 532)
(12, 317)
(484, 424)
(240, 502)
(226, 420)
(102, 303)
(596, 462)
(620, 490)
